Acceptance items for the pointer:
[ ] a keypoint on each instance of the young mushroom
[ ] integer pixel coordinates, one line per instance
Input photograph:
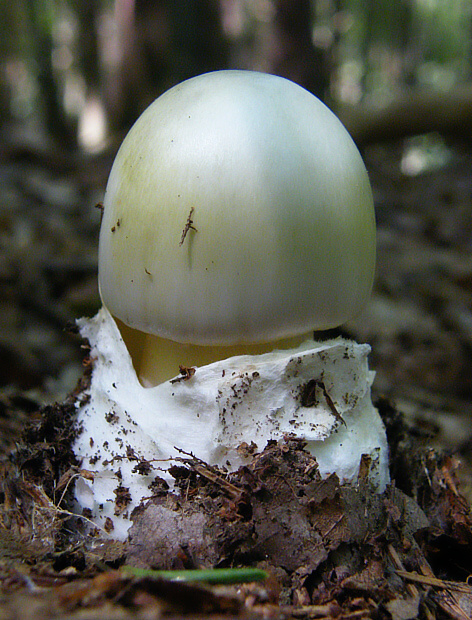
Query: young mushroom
(238, 218)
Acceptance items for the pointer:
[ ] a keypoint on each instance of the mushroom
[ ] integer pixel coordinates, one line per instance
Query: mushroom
(238, 218)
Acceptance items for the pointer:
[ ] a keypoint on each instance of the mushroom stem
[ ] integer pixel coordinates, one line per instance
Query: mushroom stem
(157, 360)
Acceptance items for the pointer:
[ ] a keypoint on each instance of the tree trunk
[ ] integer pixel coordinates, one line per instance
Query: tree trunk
(293, 54)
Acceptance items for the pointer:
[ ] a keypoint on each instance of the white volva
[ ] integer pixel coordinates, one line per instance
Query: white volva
(225, 405)
(238, 218)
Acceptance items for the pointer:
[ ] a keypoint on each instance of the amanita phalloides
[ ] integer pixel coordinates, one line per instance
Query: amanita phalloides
(238, 219)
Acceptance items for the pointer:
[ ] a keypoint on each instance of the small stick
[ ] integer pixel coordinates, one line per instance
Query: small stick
(330, 403)
(188, 226)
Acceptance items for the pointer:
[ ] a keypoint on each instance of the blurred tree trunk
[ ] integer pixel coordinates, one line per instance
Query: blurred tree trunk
(366, 44)
(163, 42)
(293, 53)
(141, 64)
(198, 43)
(10, 47)
(88, 12)
(59, 127)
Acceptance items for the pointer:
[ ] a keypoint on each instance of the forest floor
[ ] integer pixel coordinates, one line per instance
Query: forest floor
(418, 323)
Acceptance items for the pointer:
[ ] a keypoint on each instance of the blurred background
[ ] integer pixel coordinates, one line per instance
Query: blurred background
(75, 75)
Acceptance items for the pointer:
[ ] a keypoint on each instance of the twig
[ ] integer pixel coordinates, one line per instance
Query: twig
(188, 226)
(434, 582)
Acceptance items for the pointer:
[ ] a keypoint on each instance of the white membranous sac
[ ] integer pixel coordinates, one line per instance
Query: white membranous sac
(238, 218)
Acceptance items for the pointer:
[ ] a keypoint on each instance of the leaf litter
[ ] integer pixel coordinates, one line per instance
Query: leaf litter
(329, 551)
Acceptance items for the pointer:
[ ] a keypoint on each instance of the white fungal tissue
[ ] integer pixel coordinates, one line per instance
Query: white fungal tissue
(319, 392)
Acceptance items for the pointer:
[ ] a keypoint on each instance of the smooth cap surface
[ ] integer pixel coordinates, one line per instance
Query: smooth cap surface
(238, 209)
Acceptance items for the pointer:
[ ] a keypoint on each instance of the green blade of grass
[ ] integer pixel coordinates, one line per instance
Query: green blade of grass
(212, 575)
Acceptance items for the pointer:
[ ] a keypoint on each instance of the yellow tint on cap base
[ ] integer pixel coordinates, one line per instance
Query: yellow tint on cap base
(157, 360)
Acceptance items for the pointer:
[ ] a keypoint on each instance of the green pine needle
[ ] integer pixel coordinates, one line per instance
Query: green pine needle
(212, 575)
